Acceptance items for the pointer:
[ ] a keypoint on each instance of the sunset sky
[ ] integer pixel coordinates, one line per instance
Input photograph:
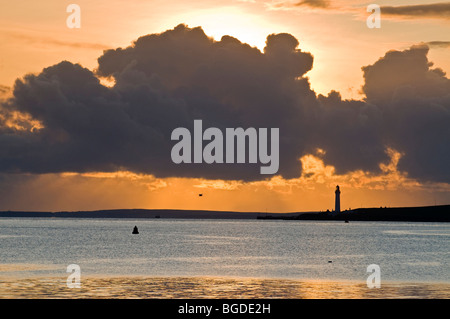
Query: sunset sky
(368, 109)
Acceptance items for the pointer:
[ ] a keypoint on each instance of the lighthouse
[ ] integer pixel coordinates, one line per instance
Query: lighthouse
(337, 201)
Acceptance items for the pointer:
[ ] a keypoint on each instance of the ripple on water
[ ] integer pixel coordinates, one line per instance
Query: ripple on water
(214, 288)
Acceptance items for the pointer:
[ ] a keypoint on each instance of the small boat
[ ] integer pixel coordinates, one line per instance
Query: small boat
(135, 230)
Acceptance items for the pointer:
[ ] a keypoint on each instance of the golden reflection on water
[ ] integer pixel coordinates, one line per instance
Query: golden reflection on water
(214, 288)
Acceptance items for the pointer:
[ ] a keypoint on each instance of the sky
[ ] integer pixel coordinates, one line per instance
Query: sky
(86, 113)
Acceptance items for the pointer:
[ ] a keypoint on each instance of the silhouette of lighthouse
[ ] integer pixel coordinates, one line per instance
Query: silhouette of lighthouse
(337, 201)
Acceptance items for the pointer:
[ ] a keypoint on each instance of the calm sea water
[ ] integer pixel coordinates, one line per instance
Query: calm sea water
(406, 252)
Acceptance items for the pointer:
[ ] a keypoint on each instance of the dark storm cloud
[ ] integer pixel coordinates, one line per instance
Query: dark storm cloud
(415, 101)
(432, 10)
(407, 108)
(164, 81)
(401, 70)
(350, 133)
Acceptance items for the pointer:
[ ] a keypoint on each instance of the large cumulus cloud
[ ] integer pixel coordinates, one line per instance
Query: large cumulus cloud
(414, 99)
(164, 81)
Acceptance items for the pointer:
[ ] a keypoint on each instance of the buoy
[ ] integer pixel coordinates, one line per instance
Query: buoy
(135, 230)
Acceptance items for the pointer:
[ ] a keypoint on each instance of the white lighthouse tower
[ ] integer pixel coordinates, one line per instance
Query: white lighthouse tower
(337, 201)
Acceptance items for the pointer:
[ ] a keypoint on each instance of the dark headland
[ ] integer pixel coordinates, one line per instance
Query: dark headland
(408, 214)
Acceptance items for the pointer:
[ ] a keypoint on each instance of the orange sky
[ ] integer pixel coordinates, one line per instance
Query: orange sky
(34, 35)
(313, 191)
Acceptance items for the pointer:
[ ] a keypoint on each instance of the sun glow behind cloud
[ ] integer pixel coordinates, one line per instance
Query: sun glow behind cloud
(312, 191)
(332, 36)
(233, 21)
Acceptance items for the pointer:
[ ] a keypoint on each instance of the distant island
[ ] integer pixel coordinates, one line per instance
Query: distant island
(409, 214)
(142, 213)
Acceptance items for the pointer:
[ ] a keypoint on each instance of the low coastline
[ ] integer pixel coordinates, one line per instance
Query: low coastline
(439, 213)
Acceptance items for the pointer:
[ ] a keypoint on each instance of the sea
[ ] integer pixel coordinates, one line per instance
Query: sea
(222, 258)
